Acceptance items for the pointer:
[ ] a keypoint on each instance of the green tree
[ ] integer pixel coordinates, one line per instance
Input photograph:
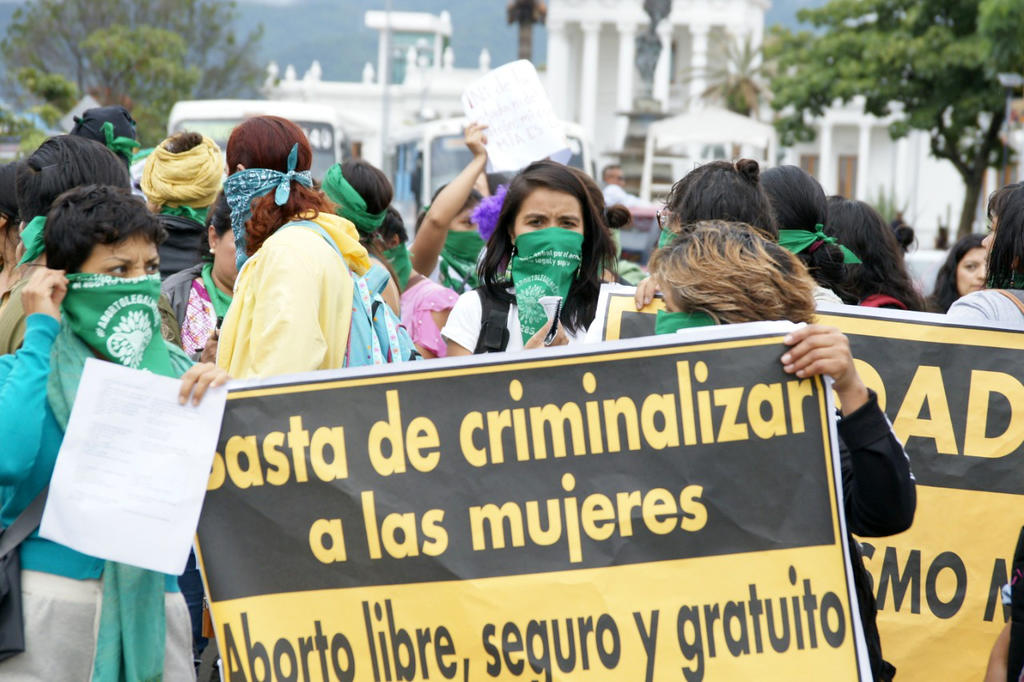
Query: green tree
(926, 57)
(72, 38)
(55, 93)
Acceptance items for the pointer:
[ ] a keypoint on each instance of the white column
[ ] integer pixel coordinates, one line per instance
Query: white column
(589, 67)
(698, 64)
(382, 57)
(663, 70)
(627, 57)
(558, 67)
(826, 164)
(863, 161)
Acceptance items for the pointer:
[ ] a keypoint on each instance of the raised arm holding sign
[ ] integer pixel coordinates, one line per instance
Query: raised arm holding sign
(521, 123)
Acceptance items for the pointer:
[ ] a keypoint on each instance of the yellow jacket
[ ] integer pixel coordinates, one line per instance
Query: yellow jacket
(292, 306)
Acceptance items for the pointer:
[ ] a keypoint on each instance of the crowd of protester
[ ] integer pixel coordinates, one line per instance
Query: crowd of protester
(253, 268)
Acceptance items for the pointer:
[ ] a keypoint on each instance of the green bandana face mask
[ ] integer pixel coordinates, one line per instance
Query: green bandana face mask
(545, 264)
(399, 259)
(119, 319)
(458, 260)
(196, 214)
(670, 323)
(221, 301)
(32, 238)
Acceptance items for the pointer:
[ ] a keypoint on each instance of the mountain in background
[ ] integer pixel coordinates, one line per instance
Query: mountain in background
(298, 31)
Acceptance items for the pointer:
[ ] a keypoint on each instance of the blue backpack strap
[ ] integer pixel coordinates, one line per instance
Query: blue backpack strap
(309, 224)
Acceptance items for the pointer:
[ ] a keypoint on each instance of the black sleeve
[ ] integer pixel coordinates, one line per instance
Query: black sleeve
(878, 487)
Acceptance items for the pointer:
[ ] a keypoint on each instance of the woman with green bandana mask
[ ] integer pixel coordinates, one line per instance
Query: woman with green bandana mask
(59, 164)
(86, 618)
(719, 272)
(447, 245)
(199, 297)
(363, 194)
(550, 241)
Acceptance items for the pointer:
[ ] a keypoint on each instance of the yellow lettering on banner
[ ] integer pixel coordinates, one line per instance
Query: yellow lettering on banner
(398, 534)
(495, 517)
(251, 475)
(471, 423)
(621, 407)
(327, 553)
(555, 418)
(665, 405)
(278, 470)
(770, 394)
(435, 534)
(597, 516)
(298, 441)
(541, 536)
(976, 441)
(695, 514)
(658, 503)
(593, 415)
(730, 399)
(391, 431)
(686, 402)
(334, 438)
(218, 472)
(796, 393)
(497, 422)
(626, 503)
(926, 387)
(422, 434)
(370, 524)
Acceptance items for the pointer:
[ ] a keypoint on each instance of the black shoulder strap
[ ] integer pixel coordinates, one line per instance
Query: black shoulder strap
(27, 521)
(493, 324)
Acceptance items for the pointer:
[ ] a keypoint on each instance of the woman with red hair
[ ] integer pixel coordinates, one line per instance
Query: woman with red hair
(293, 304)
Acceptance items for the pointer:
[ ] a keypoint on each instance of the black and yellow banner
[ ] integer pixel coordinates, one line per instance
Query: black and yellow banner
(652, 510)
(955, 396)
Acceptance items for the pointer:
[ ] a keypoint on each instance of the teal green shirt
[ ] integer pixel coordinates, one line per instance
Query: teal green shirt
(31, 439)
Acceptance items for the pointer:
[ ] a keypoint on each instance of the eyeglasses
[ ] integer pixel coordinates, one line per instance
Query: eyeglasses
(662, 217)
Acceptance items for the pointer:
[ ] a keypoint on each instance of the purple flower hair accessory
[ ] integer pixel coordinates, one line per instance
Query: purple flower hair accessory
(486, 213)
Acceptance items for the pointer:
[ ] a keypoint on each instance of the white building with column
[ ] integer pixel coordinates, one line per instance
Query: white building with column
(592, 79)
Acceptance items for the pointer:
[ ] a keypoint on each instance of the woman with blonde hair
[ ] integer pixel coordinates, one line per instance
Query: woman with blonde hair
(718, 272)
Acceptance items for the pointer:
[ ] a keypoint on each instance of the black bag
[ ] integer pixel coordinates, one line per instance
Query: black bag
(12, 628)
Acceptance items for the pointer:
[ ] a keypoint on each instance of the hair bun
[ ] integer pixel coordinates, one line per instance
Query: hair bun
(617, 216)
(749, 169)
(904, 235)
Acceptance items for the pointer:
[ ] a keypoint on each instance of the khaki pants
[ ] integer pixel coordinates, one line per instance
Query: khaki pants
(62, 618)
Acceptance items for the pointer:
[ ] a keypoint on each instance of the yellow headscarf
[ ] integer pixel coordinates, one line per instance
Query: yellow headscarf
(191, 178)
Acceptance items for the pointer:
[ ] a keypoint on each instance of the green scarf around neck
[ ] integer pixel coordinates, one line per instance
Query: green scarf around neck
(33, 239)
(670, 323)
(402, 264)
(796, 241)
(132, 629)
(459, 259)
(545, 263)
(196, 214)
(351, 204)
(221, 301)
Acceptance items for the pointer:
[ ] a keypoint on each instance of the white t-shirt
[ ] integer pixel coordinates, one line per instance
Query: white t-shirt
(465, 319)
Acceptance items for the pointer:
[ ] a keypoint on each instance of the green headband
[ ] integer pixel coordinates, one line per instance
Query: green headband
(351, 205)
(124, 146)
(796, 241)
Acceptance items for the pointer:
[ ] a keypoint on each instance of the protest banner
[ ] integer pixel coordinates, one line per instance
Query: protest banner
(521, 123)
(955, 396)
(560, 514)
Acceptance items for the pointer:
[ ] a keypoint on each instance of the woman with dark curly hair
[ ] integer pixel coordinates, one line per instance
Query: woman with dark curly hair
(880, 279)
(962, 273)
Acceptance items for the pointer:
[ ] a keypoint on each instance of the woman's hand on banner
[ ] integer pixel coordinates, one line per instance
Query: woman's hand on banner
(816, 349)
(198, 379)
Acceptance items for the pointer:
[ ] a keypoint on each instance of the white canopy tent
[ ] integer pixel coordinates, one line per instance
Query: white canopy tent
(705, 126)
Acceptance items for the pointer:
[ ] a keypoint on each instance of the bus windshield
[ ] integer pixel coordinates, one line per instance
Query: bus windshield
(449, 155)
(321, 138)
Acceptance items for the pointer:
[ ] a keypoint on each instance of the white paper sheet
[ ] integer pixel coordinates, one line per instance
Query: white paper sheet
(522, 126)
(131, 473)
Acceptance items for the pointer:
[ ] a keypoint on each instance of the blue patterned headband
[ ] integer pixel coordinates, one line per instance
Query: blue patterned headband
(242, 187)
